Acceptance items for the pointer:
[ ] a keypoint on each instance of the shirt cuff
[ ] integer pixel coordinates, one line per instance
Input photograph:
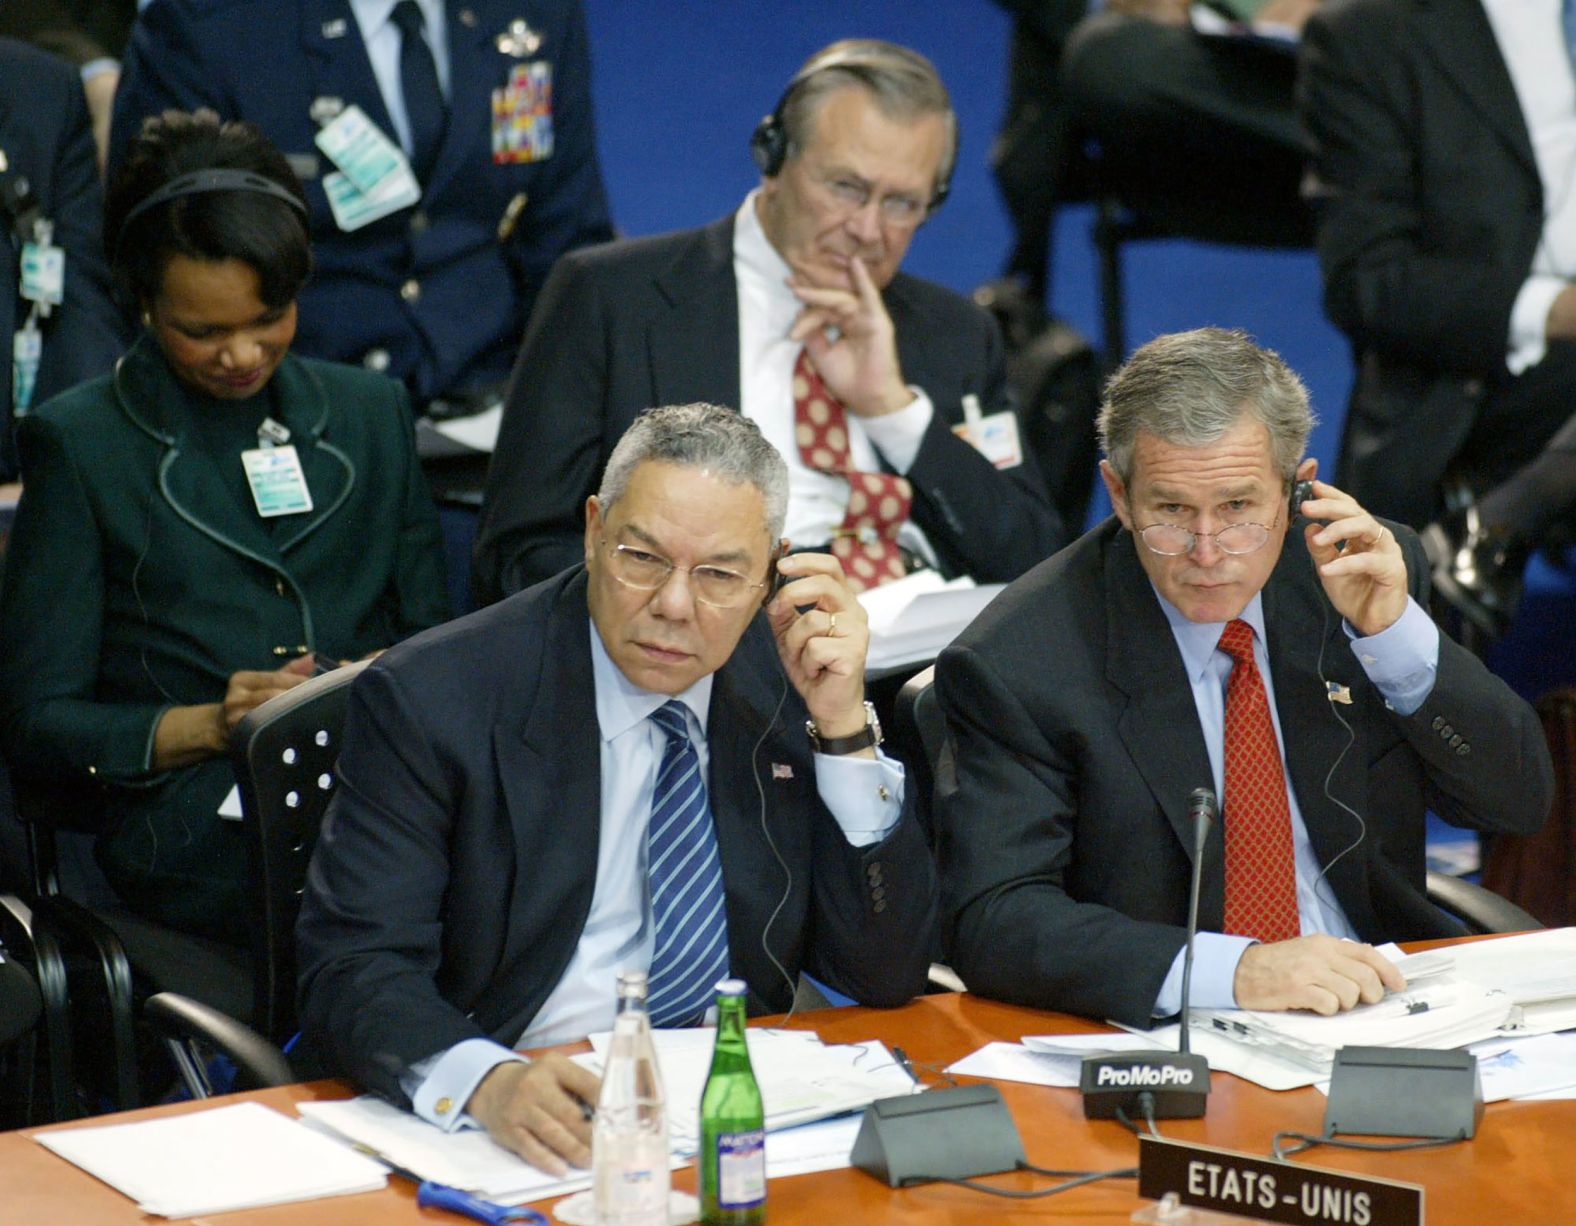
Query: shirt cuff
(865, 795)
(1215, 958)
(447, 1081)
(1402, 659)
(1529, 318)
(98, 67)
(898, 436)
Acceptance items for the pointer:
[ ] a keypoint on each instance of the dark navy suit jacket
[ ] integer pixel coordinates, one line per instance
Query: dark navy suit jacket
(46, 138)
(655, 321)
(433, 287)
(458, 858)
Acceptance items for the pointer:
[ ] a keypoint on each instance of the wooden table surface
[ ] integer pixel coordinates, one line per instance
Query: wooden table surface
(1521, 1167)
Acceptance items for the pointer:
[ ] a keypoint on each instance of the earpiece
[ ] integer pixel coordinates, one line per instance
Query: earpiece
(769, 140)
(1301, 492)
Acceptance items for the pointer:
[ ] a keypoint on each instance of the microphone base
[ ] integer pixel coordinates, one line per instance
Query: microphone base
(1178, 1084)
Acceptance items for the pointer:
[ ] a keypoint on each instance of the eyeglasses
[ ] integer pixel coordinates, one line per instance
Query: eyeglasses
(1173, 540)
(645, 571)
(900, 209)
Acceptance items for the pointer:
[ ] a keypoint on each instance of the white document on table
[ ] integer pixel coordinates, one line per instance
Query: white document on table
(237, 1157)
(802, 1079)
(913, 618)
(466, 1158)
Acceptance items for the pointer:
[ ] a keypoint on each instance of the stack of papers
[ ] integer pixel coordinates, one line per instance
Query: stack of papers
(236, 1157)
(801, 1078)
(913, 618)
(466, 1158)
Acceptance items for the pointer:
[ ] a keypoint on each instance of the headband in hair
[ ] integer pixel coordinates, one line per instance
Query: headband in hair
(212, 180)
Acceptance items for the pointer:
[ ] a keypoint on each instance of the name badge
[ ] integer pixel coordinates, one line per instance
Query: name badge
(277, 482)
(358, 147)
(43, 273)
(353, 209)
(995, 437)
(27, 351)
(522, 115)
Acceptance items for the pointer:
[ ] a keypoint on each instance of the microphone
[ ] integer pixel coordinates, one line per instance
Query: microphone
(1177, 1083)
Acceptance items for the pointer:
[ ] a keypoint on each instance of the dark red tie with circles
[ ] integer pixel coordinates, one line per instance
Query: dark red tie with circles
(1261, 878)
(878, 503)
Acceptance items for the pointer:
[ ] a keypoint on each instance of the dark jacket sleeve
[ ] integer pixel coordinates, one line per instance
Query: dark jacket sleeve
(531, 525)
(1485, 758)
(51, 621)
(1402, 235)
(872, 932)
(86, 333)
(1007, 825)
(162, 69)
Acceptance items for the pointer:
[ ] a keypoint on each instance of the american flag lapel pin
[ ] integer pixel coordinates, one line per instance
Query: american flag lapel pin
(781, 770)
(1337, 693)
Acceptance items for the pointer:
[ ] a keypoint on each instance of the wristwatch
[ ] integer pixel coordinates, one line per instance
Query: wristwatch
(867, 737)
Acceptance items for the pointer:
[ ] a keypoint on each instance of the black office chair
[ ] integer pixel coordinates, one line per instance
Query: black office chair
(1480, 909)
(191, 1031)
(32, 991)
(283, 753)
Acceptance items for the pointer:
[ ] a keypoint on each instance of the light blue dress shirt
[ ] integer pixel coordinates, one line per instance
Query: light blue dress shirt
(1402, 662)
(865, 796)
(382, 39)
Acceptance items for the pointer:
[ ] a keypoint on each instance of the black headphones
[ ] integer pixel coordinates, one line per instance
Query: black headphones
(769, 141)
(213, 179)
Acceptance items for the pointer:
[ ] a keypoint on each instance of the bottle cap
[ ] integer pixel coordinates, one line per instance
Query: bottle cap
(731, 987)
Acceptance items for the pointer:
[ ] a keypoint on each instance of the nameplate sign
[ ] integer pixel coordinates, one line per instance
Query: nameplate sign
(1270, 1191)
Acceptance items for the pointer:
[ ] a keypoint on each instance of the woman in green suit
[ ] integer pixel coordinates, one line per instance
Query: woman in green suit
(201, 526)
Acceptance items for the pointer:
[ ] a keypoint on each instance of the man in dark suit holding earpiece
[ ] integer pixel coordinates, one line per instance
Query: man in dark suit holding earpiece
(794, 311)
(1193, 640)
(630, 765)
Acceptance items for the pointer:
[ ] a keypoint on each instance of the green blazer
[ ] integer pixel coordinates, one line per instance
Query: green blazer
(139, 577)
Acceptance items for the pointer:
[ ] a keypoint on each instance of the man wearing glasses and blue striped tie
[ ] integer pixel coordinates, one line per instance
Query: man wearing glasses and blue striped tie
(660, 760)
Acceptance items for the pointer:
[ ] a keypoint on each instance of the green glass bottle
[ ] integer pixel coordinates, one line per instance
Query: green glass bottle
(732, 1124)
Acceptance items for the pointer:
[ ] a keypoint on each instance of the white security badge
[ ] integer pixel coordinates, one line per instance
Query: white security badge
(358, 147)
(43, 268)
(995, 437)
(27, 351)
(277, 481)
(374, 178)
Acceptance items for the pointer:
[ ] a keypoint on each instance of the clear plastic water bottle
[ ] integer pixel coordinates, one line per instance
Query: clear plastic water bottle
(629, 1138)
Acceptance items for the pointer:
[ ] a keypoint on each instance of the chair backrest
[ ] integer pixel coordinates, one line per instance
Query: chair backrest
(920, 725)
(284, 753)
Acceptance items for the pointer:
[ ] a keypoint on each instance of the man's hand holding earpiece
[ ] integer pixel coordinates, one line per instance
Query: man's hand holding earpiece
(1358, 558)
(823, 647)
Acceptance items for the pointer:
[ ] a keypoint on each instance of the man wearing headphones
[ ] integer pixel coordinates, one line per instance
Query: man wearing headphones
(792, 310)
(632, 766)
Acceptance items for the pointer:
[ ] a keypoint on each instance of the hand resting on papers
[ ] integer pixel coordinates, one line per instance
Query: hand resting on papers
(1321, 973)
(536, 1109)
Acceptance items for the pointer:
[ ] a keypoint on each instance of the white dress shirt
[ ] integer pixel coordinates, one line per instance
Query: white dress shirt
(1532, 40)
(865, 796)
(817, 502)
(383, 40)
(1402, 662)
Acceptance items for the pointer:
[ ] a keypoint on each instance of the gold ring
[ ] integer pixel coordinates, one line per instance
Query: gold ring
(831, 628)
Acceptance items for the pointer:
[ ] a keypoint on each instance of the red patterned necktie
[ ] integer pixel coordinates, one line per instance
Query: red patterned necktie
(1261, 881)
(878, 503)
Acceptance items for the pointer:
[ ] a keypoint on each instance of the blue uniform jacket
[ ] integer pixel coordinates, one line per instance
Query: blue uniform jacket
(429, 294)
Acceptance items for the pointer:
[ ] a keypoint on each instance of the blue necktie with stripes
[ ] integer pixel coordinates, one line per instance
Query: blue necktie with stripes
(691, 952)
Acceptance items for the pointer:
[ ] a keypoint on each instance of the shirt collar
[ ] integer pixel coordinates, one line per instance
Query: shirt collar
(757, 264)
(1197, 641)
(621, 704)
